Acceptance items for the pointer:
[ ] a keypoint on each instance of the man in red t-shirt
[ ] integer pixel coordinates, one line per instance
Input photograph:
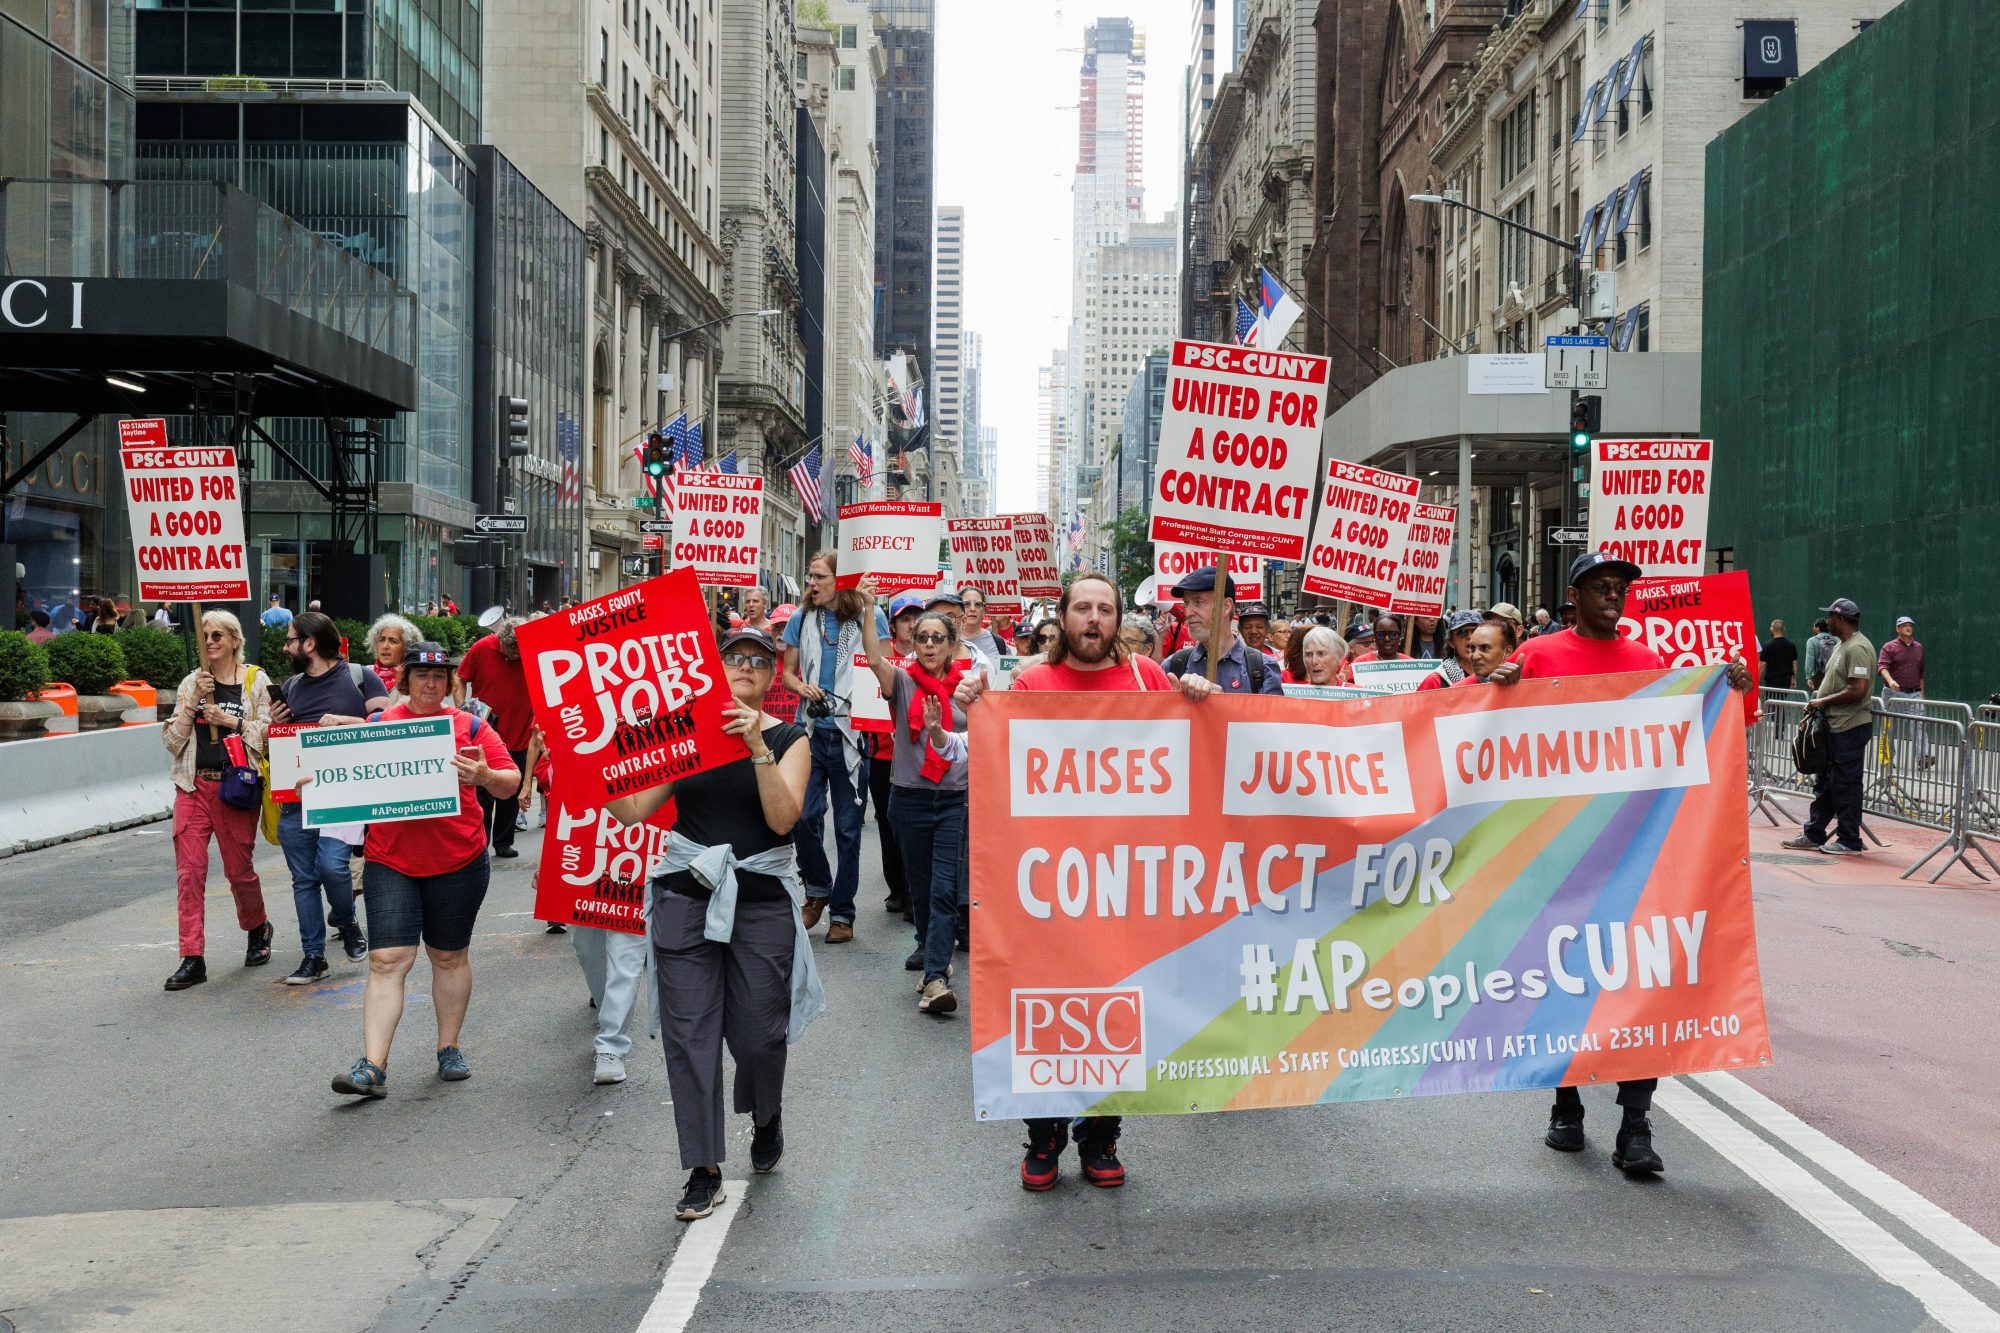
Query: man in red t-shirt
(492, 668)
(1598, 582)
(1087, 657)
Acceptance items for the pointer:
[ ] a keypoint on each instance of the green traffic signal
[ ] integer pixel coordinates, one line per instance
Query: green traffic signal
(656, 455)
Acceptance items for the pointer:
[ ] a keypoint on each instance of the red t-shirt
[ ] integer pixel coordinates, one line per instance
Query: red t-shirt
(1051, 676)
(445, 843)
(1434, 681)
(502, 687)
(1570, 654)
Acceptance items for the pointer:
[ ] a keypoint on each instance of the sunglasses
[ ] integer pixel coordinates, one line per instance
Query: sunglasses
(1041, 639)
(751, 661)
(931, 637)
(214, 634)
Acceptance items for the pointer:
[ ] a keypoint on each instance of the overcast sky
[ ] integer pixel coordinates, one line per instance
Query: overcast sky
(1006, 148)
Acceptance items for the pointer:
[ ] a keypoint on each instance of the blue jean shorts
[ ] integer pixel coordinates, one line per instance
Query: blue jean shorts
(439, 908)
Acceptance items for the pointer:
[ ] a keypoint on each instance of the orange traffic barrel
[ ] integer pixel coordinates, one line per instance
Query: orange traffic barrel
(64, 697)
(145, 703)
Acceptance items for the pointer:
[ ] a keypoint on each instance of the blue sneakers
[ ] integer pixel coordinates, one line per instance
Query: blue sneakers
(451, 1065)
(366, 1079)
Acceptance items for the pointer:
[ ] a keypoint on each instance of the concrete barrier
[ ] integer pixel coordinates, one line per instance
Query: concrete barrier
(60, 788)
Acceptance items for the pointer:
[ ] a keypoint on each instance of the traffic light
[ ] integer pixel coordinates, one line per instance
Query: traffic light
(656, 455)
(515, 410)
(1586, 419)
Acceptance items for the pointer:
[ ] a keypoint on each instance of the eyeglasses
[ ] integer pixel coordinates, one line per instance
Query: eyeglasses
(291, 639)
(214, 634)
(932, 637)
(750, 661)
(1044, 640)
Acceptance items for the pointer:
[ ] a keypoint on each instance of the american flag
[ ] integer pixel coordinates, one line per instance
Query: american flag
(728, 463)
(690, 444)
(1075, 531)
(1246, 321)
(805, 480)
(913, 406)
(864, 460)
(566, 433)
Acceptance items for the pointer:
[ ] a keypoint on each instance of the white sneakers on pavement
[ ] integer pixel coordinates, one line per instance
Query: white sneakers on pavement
(610, 1069)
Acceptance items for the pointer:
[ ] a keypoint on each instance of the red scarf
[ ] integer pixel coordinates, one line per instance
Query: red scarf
(941, 689)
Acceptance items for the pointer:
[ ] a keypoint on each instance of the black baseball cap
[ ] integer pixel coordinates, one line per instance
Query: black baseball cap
(428, 654)
(948, 596)
(752, 634)
(1842, 606)
(1252, 610)
(1203, 580)
(1592, 561)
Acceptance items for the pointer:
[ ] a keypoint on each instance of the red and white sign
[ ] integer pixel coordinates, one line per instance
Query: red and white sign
(869, 709)
(895, 540)
(1172, 563)
(1696, 622)
(1358, 541)
(649, 541)
(1426, 562)
(187, 517)
(282, 755)
(718, 527)
(593, 868)
(1035, 556)
(982, 557)
(1239, 449)
(629, 689)
(1649, 503)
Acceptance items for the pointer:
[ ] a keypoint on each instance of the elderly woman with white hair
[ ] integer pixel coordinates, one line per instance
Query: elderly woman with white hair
(1323, 654)
(220, 700)
(389, 640)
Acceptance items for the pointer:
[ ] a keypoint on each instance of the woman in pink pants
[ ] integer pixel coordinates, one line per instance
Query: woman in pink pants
(221, 698)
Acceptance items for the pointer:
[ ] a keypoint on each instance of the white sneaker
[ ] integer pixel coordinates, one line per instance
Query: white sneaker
(610, 1069)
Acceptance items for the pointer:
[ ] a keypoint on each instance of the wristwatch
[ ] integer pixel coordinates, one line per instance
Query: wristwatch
(765, 758)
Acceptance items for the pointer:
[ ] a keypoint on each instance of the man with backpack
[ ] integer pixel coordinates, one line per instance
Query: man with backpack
(1241, 668)
(1842, 695)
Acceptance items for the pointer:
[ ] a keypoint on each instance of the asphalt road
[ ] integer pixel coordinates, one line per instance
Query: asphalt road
(177, 1161)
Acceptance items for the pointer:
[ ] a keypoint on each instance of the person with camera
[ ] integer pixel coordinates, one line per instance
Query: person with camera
(425, 880)
(821, 644)
(221, 698)
(927, 795)
(729, 942)
(323, 690)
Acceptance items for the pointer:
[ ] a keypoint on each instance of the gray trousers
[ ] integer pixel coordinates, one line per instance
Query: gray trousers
(613, 963)
(740, 993)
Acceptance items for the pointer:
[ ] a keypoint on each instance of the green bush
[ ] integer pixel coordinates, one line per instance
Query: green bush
(271, 655)
(154, 656)
(436, 629)
(24, 666)
(92, 663)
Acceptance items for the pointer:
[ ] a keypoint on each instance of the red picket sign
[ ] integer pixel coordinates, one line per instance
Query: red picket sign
(629, 689)
(1696, 622)
(593, 868)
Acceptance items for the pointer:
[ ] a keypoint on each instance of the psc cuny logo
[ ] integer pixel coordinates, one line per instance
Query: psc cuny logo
(1087, 1039)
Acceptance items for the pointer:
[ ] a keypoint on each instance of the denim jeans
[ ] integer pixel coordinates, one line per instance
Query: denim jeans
(316, 864)
(930, 827)
(830, 785)
(1915, 735)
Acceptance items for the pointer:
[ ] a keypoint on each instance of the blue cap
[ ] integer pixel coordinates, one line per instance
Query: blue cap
(905, 601)
(1203, 580)
(1461, 620)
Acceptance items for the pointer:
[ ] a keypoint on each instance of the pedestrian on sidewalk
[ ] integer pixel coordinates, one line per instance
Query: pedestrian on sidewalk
(425, 881)
(323, 690)
(1901, 665)
(1087, 656)
(1843, 696)
(821, 644)
(927, 801)
(729, 942)
(1598, 584)
(1780, 659)
(492, 671)
(904, 609)
(1819, 650)
(221, 698)
(389, 638)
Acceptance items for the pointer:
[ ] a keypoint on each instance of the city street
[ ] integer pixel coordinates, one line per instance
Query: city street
(176, 1161)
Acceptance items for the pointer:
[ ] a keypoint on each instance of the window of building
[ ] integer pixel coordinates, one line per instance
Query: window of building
(1643, 339)
(799, 66)
(1646, 81)
(1517, 140)
(843, 78)
(603, 58)
(850, 36)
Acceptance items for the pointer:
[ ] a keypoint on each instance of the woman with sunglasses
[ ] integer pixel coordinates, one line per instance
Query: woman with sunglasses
(927, 802)
(219, 699)
(729, 944)
(1139, 637)
(1046, 635)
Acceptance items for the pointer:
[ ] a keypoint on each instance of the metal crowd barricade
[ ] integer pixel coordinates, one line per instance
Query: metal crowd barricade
(1771, 768)
(1982, 781)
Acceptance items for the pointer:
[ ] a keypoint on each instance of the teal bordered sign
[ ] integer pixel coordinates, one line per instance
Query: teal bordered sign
(378, 773)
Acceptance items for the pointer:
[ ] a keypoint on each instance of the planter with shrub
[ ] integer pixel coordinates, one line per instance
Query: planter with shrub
(91, 664)
(24, 668)
(154, 656)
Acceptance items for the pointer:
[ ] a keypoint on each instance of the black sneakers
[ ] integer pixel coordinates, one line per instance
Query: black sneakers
(259, 951)
(915, 962)
(1565, 1128)
(767, 1145)
(1633, 1153)
(1097, 1145)
(1043, 1163)
(192, 972)
(352, 940)
(311, 970)
(704, 1192)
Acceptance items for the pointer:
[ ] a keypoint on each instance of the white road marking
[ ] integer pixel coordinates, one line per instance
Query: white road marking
(1950, 1304)
(1880, 1188)
(692, 1263)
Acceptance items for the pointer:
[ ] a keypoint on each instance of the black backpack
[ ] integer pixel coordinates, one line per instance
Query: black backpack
(1177, 665)
(1812, 743)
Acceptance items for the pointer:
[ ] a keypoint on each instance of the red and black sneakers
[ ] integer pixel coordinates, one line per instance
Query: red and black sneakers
(1043, 1162)
(1097, 1145)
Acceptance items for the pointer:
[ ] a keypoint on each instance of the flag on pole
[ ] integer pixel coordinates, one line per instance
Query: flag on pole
(913, 406)
(805, 480)
(728, 464)
(863, 455)
(694, 445)
(1246, 321)
(1277, 312)
(566, 432)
